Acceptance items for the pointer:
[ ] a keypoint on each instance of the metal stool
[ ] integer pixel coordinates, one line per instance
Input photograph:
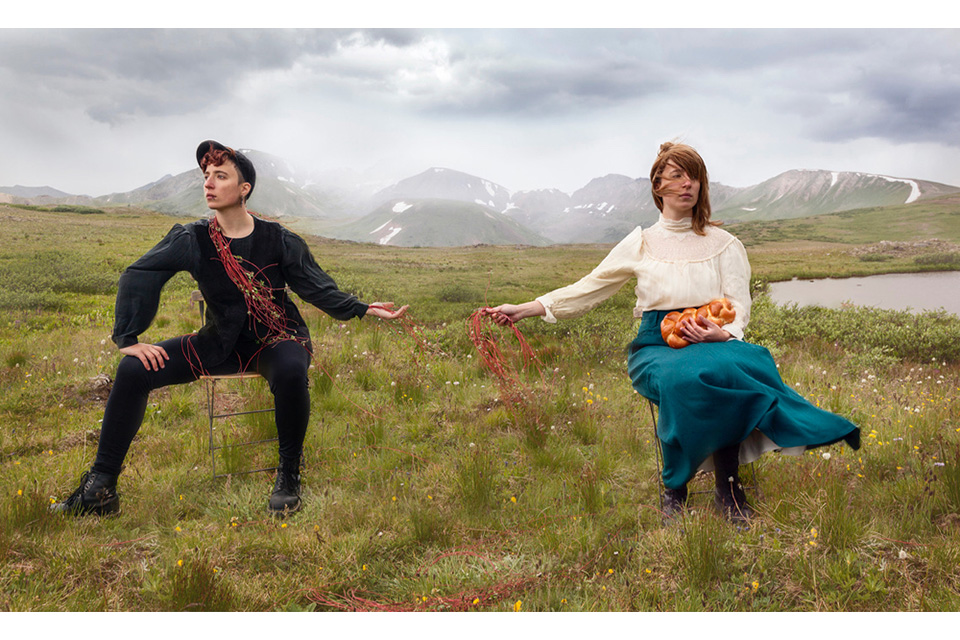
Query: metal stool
(754, 485)
(210, 384)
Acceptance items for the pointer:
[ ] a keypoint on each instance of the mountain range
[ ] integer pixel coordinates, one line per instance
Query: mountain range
(444, 207)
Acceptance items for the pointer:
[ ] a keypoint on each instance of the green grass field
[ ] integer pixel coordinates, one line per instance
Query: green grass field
(424, 491)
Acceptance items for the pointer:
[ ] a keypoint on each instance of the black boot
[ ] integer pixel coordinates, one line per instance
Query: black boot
(674, 501)
(286, 490)
(97, 495)
(730, 498)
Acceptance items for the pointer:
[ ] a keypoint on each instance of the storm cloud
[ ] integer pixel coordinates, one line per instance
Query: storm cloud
(529, 108)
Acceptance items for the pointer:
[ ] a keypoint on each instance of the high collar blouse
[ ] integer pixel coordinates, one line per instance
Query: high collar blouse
(674, 268)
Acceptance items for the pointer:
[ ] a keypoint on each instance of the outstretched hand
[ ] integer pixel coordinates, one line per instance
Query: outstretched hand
(385, 310)
(511, 313)
(152, 356)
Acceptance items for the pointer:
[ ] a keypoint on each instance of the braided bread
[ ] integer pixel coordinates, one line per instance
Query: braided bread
(718, 311)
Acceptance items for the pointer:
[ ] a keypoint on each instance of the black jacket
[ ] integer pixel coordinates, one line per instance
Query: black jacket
(282, 257)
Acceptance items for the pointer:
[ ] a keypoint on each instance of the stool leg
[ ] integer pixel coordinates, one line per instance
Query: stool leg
(211, 404)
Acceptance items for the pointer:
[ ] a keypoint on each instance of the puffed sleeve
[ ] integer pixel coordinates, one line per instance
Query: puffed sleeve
(312, 283)
(735, 279)
(604, 281)
(138, 292)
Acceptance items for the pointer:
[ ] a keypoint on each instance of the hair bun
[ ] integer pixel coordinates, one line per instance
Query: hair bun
(666, 146)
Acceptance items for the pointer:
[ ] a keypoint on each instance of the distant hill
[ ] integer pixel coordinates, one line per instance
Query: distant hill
(446, 184)
(799, 193)
(344, 203)
(280, 191)
(34, 192)
(434, 222)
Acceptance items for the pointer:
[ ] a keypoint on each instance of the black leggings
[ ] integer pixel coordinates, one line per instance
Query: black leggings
(284, 365)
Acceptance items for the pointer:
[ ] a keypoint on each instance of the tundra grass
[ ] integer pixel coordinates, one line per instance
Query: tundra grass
(425, 491)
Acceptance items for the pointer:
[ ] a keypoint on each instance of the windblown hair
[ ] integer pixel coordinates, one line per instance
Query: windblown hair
(217, 157)
(689, 160)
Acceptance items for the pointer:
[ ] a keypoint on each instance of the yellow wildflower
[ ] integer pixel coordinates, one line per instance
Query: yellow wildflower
(179, 563)
(518, 605)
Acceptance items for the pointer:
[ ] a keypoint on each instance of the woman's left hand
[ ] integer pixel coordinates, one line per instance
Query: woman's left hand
(385, 310)
(703, 331)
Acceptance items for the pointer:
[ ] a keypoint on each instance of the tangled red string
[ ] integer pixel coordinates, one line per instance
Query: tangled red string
(484, 334)
(261, 306)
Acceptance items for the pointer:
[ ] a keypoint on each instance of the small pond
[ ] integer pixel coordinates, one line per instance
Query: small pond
(914, 291)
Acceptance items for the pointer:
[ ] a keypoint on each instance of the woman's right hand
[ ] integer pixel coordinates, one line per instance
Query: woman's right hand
(510, 313)
(152, 356)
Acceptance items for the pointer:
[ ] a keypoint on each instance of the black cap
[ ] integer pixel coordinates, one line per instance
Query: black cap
(247, 172)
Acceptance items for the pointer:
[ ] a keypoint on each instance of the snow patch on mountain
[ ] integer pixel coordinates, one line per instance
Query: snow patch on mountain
(381, 226)
(400, 207)
(914, 188)
(387, 238)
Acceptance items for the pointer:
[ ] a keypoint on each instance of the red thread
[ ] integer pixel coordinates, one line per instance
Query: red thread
(481, 330)
(262, 308)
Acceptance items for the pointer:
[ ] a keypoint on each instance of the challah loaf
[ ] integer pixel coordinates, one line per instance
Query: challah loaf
(719, 311)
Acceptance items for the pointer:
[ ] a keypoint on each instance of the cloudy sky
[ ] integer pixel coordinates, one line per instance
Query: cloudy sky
(97, 111)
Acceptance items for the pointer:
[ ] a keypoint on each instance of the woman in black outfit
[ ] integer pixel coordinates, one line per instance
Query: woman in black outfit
(243, 265)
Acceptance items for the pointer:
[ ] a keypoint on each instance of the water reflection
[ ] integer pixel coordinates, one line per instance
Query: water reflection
(914, 291)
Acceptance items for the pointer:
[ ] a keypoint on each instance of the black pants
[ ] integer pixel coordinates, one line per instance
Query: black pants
(284, 365)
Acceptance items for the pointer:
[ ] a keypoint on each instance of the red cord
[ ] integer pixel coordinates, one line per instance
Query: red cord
(480, 328)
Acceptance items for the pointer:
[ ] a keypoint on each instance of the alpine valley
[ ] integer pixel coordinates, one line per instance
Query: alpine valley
(444, 207)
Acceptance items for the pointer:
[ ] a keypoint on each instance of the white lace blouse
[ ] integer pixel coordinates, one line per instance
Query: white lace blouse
(674, 268)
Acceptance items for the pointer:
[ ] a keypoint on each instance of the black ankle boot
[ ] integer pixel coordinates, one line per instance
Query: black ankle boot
(729, 497)
(732, 501)
(96, 495)
(674, 501)
(286, 490)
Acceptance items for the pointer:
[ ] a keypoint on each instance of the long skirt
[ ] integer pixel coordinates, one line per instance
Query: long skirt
(714, 395)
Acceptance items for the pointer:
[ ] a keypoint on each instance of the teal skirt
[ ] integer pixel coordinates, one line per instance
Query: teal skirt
(714, 395)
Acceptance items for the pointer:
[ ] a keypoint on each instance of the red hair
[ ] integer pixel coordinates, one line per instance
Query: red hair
(217, 157)
(685, 157)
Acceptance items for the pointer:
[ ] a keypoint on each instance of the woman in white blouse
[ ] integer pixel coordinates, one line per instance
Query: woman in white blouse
(721, 400)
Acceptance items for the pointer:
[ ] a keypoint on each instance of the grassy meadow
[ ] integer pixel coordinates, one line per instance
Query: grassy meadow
(425, 491)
